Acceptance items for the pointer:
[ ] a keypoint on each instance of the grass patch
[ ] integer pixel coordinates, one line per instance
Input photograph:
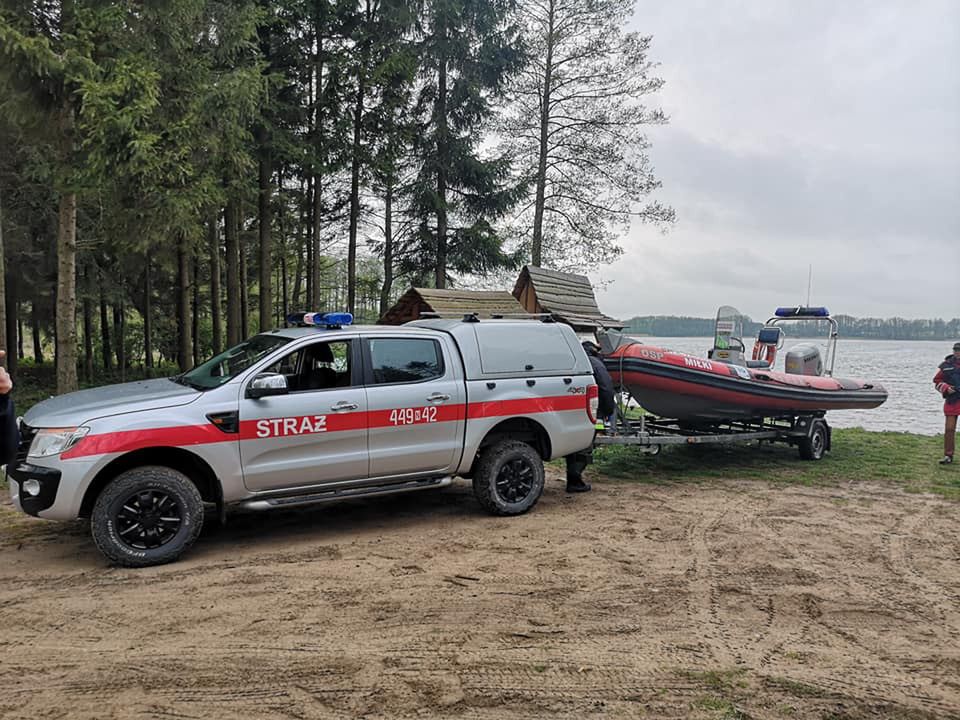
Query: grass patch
(724, 709)
(905, 459)
(721, 681)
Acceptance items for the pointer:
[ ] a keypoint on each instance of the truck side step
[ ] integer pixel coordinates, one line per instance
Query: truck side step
(346, 493)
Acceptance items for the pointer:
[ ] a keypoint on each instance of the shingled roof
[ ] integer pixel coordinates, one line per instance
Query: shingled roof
(566, 296)
(417, 301)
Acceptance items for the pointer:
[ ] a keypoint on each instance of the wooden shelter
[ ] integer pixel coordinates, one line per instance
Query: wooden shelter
(414, 303)
(566, 296)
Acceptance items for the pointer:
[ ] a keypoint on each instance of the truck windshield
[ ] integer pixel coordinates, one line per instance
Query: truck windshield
(230, 363)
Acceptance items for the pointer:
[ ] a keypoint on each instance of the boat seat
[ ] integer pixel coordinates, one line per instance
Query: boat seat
(758, 364)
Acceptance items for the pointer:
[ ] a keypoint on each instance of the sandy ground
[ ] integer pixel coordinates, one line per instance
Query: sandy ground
(720, 600)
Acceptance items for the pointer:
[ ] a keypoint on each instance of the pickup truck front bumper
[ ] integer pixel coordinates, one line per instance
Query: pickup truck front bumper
(40, 494)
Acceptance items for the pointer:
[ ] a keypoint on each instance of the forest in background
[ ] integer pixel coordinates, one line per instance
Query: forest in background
(178, 174)
(851, 327)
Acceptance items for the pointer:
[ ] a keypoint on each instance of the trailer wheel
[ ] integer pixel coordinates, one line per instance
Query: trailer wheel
(813, 446)
(147, 516)
(508, 479)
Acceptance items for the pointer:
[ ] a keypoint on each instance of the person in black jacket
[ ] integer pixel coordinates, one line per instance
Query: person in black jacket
(577, 462)
(8, 418)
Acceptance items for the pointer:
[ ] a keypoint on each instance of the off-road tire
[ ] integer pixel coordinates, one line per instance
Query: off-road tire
(814, 445)
(153, 481)
(500, 462)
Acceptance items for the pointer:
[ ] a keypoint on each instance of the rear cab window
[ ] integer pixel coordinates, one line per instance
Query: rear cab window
(528, 348)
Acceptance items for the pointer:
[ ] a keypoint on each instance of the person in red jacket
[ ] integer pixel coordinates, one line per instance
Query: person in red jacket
(947, 382)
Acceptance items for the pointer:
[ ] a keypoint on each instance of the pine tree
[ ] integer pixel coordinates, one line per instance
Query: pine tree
(468, 49)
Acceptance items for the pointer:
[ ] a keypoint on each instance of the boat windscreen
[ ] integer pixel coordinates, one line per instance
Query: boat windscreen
(728, 329)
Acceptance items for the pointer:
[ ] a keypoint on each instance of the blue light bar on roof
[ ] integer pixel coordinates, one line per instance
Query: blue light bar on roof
(812, 312)
(328, 320)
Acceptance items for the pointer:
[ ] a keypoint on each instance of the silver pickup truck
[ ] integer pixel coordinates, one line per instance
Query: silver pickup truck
(305, 415)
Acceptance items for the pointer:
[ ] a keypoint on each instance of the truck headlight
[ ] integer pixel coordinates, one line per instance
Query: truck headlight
(53, 441)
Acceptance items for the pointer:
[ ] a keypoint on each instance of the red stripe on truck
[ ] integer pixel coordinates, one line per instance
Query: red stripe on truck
(188, 435)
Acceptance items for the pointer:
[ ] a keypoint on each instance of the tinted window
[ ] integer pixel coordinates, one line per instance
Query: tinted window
(511, 348)
(398, 361)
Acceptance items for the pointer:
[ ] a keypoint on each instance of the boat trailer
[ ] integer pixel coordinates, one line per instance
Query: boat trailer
(809, 433)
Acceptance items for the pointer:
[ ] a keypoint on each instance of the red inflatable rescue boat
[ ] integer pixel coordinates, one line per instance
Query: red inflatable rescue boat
(728, 386)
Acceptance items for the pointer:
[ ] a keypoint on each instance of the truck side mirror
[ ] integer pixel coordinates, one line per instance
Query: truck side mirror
(266, 384)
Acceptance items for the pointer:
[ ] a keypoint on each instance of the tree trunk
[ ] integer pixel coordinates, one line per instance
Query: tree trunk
(308, 297)
(14, 325)
(35, 331)
(105, 330)
(355, 190)
(315, 248)
(303, 241)
(120, 335)
(387, 285)
(66, 305)
(231, 230)
(283, 299)
(87, 331)
(66, 320)
(121, 340)
(537, 248)
(148, 316)
(440, 276)
(184, 326)
(244, 286)
(21, 354)
(195, 305)
(313, 297)
(215, 318)
(266, 288)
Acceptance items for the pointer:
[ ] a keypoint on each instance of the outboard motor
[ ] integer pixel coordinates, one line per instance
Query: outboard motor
(804, 360)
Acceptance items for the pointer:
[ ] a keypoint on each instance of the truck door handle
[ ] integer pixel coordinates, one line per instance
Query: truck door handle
(438, 397)
(344, 405)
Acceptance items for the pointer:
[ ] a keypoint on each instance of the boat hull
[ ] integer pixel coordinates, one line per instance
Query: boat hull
(676, 385)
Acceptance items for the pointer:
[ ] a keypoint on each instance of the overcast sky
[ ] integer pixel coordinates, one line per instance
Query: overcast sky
(801, 131)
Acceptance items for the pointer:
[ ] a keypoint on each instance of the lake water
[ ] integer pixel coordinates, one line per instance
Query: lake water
(905, 368)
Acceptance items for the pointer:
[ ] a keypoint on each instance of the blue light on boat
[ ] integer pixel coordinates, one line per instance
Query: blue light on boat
(786, 312)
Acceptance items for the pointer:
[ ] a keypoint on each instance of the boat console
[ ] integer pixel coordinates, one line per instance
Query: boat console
(728, 344)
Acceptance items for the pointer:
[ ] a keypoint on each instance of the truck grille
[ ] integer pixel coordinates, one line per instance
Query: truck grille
(26, 438)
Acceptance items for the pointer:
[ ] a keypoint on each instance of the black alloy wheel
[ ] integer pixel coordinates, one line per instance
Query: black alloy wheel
(148, 519)
(508, 477)
(515, 480)
(147, 515)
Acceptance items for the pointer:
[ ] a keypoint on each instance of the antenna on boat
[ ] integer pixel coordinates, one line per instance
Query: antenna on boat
(809, 283)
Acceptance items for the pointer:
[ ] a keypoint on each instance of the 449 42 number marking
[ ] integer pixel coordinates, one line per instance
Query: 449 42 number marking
(412, 416)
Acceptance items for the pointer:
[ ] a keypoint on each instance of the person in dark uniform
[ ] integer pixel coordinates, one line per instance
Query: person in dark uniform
(947, 382)
(8, 418)
(578, 462)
